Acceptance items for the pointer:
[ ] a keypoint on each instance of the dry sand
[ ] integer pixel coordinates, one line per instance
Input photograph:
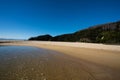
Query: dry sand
(100, 61)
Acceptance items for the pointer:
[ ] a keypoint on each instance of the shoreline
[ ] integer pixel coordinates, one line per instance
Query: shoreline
(70, 44)
(106, 57)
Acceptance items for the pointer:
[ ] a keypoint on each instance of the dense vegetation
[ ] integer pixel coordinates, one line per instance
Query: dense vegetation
(106, 33)
(42, 38)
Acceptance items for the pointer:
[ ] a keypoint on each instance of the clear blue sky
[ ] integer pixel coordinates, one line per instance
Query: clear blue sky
(22, 19)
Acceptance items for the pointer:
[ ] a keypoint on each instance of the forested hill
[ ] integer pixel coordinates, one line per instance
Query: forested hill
(105, 33)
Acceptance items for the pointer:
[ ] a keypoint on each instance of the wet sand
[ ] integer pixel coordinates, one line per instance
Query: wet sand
(64, 63)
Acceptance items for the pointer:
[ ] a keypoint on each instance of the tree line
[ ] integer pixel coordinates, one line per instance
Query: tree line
(105, 33)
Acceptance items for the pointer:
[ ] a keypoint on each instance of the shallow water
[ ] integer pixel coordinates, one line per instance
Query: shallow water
(22, 63)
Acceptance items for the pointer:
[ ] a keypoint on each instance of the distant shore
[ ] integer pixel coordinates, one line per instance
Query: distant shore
(68, 44)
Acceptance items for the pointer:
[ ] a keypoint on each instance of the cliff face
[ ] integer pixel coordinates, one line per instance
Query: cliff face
(105, 33)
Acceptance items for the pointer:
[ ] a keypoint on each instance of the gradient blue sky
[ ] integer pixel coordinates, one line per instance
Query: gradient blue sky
(22, 19)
